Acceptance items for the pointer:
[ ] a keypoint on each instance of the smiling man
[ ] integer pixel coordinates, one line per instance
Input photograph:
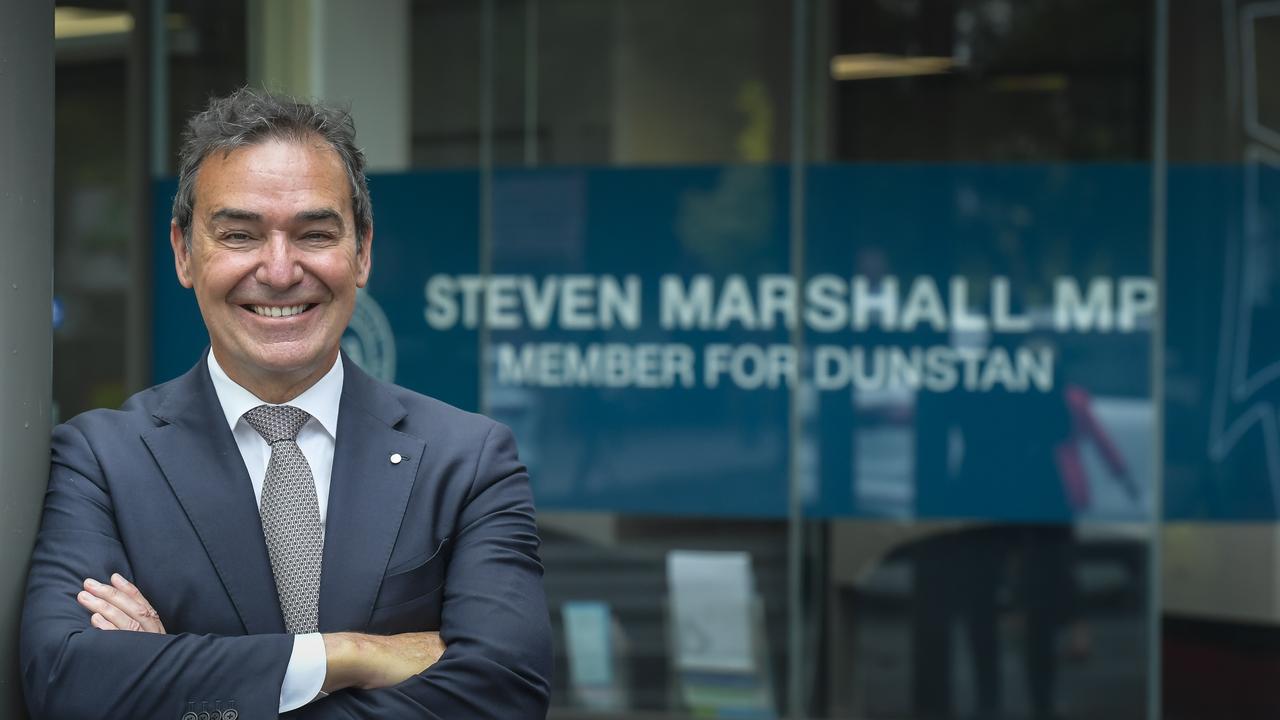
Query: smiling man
(275, 531)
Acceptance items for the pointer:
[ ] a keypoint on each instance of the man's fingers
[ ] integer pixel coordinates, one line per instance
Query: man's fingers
(144, 606)
(123, 609)
(124, 586)
(101, 623)
(114, 615)
(114, 596)
(128, 588)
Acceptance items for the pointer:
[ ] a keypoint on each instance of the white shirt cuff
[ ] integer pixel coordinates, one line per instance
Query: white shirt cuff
(306, 672)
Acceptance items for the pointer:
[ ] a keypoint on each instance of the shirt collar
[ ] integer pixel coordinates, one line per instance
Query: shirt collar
(320, 401)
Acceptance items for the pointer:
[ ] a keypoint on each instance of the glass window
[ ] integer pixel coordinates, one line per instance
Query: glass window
(860, 395)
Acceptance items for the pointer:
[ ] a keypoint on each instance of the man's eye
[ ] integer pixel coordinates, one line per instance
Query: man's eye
(236, 237)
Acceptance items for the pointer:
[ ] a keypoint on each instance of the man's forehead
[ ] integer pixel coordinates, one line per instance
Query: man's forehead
(313, 151)
(304, 142)
(305, 175)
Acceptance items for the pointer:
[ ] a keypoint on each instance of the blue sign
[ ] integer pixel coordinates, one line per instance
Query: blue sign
(944, 341)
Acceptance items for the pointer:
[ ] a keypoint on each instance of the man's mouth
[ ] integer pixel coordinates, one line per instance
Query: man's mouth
(279, 310)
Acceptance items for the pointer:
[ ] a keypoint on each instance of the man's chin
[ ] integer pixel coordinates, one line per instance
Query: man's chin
(285, 364)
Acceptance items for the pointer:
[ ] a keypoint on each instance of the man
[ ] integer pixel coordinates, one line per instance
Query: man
(301, 538)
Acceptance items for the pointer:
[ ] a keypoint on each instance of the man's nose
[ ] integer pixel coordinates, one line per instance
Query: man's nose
(278, 266)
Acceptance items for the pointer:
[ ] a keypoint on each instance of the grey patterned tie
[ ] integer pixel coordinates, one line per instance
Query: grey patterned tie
(290, 516)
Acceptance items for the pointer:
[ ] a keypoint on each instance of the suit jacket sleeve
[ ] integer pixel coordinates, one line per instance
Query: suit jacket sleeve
(72, 670)
(494, 620)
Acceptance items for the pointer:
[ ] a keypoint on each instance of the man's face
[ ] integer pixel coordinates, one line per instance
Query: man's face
(273, 261)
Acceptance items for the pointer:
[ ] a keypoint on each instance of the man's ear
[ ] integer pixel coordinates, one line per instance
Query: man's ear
(364, 259)
(181, 254)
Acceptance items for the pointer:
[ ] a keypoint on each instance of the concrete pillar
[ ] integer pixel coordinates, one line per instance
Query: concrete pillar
(344, 51)
(26, 291)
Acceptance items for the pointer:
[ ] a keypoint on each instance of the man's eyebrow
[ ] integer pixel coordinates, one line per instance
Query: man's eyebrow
(235, 214)
(317, 215)
(320, 215)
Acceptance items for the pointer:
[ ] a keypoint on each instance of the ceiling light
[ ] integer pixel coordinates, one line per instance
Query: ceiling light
(74, 22)
(865, 66)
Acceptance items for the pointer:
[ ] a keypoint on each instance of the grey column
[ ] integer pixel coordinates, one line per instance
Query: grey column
(26, 289)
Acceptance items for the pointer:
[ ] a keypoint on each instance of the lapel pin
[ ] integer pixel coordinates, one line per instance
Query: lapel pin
(396, 458)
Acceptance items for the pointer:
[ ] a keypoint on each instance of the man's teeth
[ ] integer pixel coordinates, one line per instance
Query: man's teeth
(277, 311)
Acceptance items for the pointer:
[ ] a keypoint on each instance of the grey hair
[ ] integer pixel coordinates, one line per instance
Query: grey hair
(248, 117)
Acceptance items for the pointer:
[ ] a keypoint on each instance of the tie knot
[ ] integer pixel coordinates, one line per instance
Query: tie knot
(276, 422)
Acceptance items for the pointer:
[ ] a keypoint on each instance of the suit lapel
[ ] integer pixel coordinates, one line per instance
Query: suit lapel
(368, 494)
(198, 456)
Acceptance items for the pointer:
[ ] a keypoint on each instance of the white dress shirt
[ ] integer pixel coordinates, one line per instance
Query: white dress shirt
(308, 664)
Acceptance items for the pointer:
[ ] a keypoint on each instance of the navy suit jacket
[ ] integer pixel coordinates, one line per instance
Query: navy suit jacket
(157, 491)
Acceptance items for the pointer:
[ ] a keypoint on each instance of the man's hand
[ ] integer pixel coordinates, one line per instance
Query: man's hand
(370, 662)
(119, 606)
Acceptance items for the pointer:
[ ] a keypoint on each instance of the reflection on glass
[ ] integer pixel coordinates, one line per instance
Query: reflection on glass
(971, 392)
(689, 613)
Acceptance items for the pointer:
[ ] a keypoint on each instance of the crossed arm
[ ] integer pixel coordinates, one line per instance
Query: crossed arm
(353, 660)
